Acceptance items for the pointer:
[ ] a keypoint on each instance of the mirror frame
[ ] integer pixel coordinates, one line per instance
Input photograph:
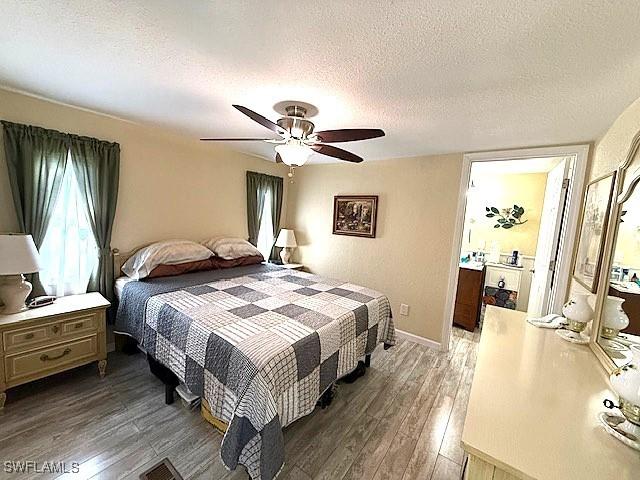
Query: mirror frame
(621, 195)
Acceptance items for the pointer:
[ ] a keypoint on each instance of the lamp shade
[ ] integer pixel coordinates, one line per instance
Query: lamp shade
(18, 254)
(286, 239)
(294, 154)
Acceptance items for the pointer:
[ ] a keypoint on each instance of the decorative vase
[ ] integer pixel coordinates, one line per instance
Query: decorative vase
(626, 383)
(578, 313)
(614, 317)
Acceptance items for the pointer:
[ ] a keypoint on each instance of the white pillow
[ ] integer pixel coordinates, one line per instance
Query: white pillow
(231, 248)
(170, 252)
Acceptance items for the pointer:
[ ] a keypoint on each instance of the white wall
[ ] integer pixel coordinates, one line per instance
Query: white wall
(171, 185)
(609, 152)
(409, 258)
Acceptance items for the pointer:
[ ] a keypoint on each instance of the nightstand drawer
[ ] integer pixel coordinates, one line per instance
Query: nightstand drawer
(56, 357)
(25, 337)
(79, 325)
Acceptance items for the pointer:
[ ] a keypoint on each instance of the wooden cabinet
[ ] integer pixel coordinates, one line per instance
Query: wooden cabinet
(478, 469)
(47, 340)
(466, 313)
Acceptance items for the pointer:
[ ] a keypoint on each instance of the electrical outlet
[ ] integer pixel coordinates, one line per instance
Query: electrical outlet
(404, 309)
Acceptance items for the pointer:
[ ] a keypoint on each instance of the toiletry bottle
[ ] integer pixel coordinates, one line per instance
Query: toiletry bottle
(625, 275)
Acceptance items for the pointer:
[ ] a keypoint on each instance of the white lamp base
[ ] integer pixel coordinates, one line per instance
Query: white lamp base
(14, 290)
(285, 255)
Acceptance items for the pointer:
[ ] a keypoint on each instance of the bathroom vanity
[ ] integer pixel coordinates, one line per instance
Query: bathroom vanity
(466, 313)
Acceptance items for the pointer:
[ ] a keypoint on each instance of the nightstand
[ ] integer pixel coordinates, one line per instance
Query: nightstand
(292, 266)
(42, 341)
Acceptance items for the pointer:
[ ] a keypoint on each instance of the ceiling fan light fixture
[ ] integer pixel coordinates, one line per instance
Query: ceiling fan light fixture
(294, 154)
(298, 140)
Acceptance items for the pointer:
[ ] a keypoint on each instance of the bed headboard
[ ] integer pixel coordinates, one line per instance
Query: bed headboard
(120, 257)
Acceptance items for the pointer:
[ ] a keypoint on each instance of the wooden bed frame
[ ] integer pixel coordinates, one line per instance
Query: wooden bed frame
(171, 381)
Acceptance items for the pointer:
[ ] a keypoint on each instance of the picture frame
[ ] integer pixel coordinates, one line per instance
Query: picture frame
(355, 215)
(595, 217)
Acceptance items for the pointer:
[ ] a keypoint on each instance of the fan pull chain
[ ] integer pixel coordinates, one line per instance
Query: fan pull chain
(292, 172)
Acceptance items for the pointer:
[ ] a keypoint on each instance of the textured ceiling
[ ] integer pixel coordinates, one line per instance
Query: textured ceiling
(438, 76)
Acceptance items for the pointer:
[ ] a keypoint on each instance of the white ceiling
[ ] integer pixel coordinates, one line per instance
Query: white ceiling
(437, 76)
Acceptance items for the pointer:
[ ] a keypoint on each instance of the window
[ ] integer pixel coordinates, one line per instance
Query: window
(69, 253)
(265, 234)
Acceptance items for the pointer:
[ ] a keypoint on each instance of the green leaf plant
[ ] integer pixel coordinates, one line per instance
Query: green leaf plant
(507, 217)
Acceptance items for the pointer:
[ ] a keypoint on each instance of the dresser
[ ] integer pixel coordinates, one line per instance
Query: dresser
(533, 408)
(466, 312)
(40, 342)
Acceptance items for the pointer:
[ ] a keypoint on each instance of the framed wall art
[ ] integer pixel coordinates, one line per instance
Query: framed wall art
(355, 215)
(595, 215)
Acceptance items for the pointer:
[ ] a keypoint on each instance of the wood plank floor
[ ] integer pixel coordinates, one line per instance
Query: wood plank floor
(402, 421)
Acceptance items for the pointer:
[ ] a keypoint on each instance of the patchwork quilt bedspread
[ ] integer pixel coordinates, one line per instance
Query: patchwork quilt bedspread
(261, 347)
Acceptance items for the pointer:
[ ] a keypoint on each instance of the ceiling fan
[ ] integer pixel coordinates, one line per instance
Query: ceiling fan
(298, 140)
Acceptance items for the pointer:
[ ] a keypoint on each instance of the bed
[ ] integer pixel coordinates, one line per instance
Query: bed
(259, 343)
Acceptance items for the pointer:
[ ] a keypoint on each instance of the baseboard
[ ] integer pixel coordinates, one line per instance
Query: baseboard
(417, 339)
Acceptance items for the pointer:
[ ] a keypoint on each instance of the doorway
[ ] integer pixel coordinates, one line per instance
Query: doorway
(517, 218)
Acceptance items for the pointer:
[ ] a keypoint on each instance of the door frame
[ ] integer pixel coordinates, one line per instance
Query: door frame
(580, 154)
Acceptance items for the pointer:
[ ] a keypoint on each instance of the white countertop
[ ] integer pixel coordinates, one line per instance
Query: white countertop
(479, 265)
(533, 406)
(472, 265)
(62, 305)
(504, 265)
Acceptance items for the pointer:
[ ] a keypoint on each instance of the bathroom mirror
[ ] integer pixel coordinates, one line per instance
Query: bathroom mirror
(617, 325)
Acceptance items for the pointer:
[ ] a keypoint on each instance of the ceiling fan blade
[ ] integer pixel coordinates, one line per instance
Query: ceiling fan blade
(336, 152)
(256, 117)
(278, 158)
(348, 134)
(235, 139)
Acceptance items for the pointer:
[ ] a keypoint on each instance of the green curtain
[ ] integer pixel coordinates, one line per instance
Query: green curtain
(255, 204)
(97, 167)
(275, 184)
(36, 159)
(258, 184)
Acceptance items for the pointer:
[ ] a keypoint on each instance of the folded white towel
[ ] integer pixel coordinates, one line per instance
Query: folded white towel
(548, 321)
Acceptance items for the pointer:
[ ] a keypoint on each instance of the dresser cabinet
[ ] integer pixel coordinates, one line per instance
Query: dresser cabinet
(534, 405)
(40, 342)
(466, 313)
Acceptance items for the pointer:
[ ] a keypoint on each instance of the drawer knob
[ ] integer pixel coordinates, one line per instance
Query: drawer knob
(29, 336)
(45, 358)
(55, 328)
(78, 325)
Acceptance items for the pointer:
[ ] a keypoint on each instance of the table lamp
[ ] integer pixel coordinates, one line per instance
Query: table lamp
(18, 255)
(286, 240)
